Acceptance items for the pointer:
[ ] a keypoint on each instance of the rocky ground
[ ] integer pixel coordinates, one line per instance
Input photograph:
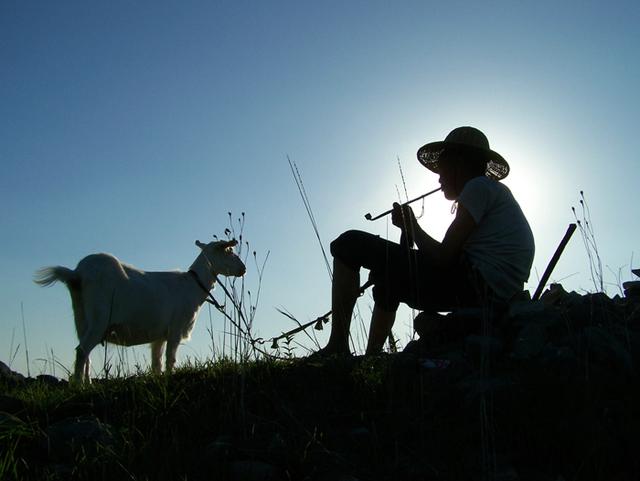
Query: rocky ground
(547, 390)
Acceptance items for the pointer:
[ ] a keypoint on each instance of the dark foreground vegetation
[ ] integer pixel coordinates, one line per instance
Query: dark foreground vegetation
(554, 396)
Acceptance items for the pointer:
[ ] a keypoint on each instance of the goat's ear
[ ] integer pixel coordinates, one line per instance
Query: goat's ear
(200, 244)
(231, 243)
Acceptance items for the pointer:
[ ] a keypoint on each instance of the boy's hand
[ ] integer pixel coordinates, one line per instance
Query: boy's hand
(403, 217)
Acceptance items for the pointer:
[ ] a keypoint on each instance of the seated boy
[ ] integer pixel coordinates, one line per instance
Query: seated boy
(486, 253)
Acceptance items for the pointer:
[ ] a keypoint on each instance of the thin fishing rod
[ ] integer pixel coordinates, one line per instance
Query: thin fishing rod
(317, 322)
(368, 216)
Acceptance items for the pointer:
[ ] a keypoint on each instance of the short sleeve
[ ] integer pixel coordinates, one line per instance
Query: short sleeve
(476, 197)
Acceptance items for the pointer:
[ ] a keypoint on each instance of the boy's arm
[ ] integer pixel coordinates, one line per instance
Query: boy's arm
(440, 253)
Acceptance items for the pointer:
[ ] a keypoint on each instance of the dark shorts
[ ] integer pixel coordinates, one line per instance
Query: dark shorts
(405, 275)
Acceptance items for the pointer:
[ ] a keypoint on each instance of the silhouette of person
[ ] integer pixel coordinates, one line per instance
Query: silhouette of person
(486, 252)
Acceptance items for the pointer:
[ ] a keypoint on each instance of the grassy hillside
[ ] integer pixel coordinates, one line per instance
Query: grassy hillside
(553, 396)
(375, 418)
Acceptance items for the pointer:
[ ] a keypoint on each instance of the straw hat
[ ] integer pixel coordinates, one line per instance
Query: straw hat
(467, 138)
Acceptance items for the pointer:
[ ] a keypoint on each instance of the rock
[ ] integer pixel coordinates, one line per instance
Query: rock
(415, 347)
(548, 321)
(475, 387)
(631, 289)
(522, 296)
(529, 342)
(605, 349)
(73, 436)
(521, 313)
(561, 361)
(631, 285)
(525, 309)
(427, 323)
(461, 322)
(478, 346)
(434, 364)
(557, 296)
(10, 377)
(251, 470)
(596, 309)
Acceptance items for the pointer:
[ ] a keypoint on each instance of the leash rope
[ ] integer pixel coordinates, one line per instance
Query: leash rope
(212, 300)
(317, 322)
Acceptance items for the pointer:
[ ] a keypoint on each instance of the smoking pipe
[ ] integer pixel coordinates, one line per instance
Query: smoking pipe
(368, 216)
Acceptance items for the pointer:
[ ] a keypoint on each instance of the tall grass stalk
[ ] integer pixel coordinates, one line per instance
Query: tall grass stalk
(238, 340)
(24, 333)
(354, 340)
(210, 331)
(13, 353)
(305, 200)
(591, 246)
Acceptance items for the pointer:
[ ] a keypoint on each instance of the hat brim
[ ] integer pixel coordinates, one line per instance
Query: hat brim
(429, 156)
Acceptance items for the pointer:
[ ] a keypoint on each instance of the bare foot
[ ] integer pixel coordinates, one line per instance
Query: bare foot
(330, 351)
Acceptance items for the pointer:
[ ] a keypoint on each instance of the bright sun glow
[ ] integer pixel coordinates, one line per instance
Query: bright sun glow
(433, 212)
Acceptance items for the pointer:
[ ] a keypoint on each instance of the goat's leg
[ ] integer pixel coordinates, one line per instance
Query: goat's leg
(80, 369)
(90, 340)
(87, 368)
(81, 372)
(96, 314)
(157, 348)
(172, 348)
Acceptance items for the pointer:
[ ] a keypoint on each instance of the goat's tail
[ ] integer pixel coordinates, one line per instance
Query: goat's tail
(50, 275)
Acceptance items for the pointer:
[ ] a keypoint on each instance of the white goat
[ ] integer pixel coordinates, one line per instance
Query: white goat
(120, 304)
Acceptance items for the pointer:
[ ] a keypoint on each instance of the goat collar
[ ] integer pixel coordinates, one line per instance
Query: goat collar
(210, 299)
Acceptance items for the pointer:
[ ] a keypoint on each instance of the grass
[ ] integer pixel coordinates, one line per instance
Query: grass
(376, 418)
(168, 426)
(174, 417)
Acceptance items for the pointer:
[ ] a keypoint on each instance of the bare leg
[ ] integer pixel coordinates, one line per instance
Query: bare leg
(344, 293)
(381, 323)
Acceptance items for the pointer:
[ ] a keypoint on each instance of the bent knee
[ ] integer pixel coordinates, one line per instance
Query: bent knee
(345, 242)
(348, 245)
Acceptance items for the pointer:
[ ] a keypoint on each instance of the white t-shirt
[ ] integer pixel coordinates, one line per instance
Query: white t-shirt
(501, 247)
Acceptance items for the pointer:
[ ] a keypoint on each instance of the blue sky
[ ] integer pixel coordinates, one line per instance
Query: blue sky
(134, 127)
